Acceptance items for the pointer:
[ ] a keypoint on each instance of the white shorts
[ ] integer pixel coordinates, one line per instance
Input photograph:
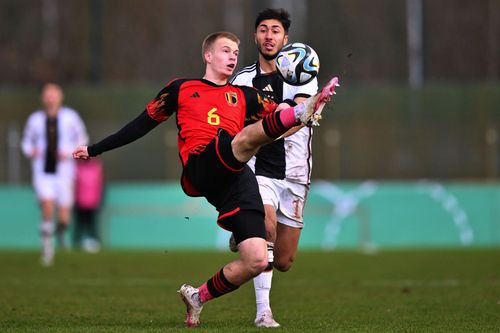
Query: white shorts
(286, 197)
(54, 187)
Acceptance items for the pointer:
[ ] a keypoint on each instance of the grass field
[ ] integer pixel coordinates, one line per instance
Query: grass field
(392, 291)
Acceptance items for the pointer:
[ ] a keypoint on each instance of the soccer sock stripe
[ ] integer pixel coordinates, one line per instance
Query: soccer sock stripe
(277, 123)
(225, 281)
(269, 126)
(218, 285)
(274, 123)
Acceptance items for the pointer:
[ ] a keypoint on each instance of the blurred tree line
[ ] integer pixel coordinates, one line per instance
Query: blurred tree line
(113, 56)
(122, 41)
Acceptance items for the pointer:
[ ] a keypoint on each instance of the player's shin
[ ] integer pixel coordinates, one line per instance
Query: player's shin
(216, 286)
(47, 233)
(262, 284)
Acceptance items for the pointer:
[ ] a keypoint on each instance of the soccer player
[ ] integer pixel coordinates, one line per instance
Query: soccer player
(214, 148)
(283, 168)
(50, 135)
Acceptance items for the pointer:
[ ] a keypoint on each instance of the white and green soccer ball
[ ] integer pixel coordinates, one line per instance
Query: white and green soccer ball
(297, 63)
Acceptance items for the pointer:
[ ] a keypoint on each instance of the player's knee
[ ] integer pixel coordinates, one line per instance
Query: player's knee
(283, 264)
(258, 264)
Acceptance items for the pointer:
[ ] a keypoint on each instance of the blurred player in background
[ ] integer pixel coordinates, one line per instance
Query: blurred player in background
(50, 136)
(214, 149)
(283, 168)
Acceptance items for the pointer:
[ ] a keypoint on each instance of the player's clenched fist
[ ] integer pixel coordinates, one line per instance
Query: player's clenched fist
(81, 153)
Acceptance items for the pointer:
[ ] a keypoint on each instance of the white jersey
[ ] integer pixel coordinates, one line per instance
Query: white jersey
(289, 158)
(71, 133)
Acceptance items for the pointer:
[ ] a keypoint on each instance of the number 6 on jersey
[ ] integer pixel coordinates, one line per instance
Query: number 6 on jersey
(213, 119)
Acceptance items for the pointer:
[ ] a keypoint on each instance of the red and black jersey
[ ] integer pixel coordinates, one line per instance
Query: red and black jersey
(203, 107)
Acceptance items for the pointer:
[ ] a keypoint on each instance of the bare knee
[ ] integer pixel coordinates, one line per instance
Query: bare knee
(257, 264)
(283, 264)
(253, 255)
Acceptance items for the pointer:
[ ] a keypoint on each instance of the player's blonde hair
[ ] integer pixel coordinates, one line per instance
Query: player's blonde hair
(209, 41)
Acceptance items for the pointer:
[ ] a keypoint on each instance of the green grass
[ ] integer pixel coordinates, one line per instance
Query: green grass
(392, 291)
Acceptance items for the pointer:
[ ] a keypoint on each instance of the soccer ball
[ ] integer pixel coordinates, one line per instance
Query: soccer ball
(297, 63)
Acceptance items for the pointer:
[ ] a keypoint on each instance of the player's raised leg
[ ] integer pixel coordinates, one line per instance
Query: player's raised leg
(248, 141)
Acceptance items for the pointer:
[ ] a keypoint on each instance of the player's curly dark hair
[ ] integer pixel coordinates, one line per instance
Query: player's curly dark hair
(277, 14)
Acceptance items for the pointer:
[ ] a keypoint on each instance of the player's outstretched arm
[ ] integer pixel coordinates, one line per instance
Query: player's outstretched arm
(81, 153)
(134, 130)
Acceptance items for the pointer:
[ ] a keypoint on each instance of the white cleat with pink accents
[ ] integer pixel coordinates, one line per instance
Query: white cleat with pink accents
(313, 106)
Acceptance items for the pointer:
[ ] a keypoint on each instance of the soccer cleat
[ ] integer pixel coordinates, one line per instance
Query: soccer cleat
(266, 320)
(191, 298)
(232, 244)
(313, 106)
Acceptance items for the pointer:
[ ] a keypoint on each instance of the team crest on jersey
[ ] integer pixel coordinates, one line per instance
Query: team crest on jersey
(231, 98)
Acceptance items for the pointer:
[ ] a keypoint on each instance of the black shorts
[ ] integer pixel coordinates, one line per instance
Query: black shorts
(229, 185)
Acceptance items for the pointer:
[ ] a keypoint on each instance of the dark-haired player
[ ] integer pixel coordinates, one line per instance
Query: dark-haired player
(283, 168)
(214, 148)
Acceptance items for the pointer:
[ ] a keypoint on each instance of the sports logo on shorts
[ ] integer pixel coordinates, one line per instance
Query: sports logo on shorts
(231, 98)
